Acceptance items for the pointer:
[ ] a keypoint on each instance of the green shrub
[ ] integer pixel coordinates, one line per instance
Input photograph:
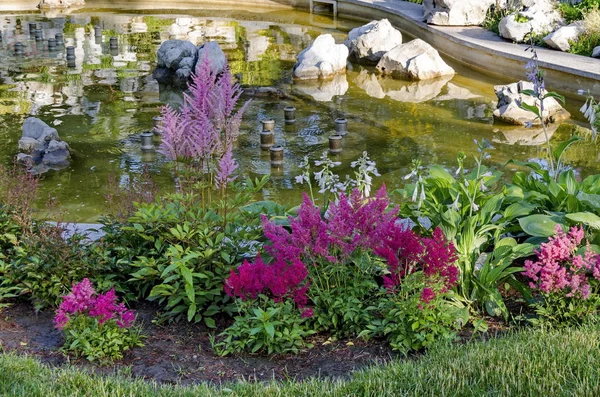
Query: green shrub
(418, 315)
(180, 251)
(264, 326)
(344, 297)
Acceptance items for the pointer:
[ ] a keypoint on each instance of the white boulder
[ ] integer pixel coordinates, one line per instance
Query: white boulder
(542, 17)
(456, 12)
(509, 108)
(323, 59)
(415, 60)
(368, 43)
(560, 38)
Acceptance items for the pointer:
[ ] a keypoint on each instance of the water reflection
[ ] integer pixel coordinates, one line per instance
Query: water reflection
(102, 104)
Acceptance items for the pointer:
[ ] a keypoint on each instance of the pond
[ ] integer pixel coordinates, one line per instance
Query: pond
(102, 105)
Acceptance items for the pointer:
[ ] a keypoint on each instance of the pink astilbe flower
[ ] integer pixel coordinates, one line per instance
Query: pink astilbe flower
(560, 269)
(351, 224)
(227, 165)
(207, 124)
(83, 300)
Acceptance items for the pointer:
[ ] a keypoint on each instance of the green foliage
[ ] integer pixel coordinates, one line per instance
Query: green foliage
(585, 43)
(345, 296)
(495, 269)
(180, 251)
(264, 326)
(575, 12)
(556, 310)
(410, 323)
(493, 18)
(86, 337)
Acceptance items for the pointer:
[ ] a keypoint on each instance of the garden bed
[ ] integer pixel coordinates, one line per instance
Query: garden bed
(181, 353)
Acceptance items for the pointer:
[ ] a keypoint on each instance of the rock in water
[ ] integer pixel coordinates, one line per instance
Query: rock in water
(216, 56)
(510, 99)
(368, 43)
(415, 60)
(41, 147)
(323, 59)
(456, 12)
(177, 60)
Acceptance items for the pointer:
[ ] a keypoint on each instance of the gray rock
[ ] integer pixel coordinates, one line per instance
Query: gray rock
(415, 60)
(41, 147)
(510, 98)
(323, 59)
(37, 129)
(368, 43)
(28, 145)
(216, 56)
(174, 52)
(560, 38)
(541, 17)
(456, 12)
(596, 52)
(178, 59)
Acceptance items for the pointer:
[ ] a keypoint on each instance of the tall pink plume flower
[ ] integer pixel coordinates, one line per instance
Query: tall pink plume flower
(208, 123)
(227, 165)
(83, 300)
(559, 268)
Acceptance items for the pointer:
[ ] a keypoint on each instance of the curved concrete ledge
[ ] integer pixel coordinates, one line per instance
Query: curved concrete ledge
(480, 48)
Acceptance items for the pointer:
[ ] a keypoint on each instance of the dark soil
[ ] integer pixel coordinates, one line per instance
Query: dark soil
(182, 353)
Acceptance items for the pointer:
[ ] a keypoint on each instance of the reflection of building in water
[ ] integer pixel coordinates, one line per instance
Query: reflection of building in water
(42, 80)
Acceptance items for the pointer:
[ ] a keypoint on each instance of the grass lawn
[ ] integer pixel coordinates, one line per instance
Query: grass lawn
(527, 363)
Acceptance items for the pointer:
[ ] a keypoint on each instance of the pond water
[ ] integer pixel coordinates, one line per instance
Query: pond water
(100, 106)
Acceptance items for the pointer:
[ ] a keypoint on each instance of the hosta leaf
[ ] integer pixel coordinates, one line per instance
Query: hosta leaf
(538, 225)
(587, 218)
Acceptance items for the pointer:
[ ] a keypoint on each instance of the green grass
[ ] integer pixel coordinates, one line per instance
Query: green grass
(529, 363)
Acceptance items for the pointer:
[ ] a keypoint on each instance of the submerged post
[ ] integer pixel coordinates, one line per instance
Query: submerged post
(276, 156)
(341, 126)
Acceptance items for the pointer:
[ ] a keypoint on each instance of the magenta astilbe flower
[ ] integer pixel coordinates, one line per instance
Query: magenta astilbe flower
(307, 313)
(560, 269)
(427, 295)
(83, 300)
(105, 306)
(440, 256)
(227, 166)
(279, 279)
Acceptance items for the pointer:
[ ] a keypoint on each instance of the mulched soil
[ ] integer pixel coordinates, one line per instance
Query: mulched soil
(181, 353)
